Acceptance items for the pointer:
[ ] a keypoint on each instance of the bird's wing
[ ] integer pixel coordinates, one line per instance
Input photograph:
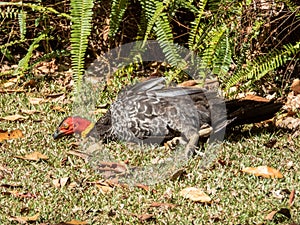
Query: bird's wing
(149, 85)
(177, 92)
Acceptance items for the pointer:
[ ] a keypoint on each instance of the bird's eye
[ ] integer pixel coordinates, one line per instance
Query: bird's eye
(65, 126)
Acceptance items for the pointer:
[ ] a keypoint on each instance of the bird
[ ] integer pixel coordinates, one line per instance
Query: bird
(151, 112)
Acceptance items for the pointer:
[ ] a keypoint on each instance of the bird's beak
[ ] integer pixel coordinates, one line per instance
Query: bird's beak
(58, 134)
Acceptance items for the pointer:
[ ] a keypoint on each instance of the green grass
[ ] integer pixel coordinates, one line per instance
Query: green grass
(238, 198)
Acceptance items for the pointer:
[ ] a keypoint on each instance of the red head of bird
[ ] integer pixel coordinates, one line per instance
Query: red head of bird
(71, 125)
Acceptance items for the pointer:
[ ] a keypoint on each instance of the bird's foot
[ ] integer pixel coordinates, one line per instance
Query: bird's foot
(174, 142)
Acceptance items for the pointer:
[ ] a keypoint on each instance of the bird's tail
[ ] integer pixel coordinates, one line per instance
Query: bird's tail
(251, 110)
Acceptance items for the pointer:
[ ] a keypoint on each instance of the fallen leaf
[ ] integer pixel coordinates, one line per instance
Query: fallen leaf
(142, 186)
(195, 195)
(111, 166)
(60, 182)
(25, 219)
(57, 108)
(98, 111)
(263, 171)
(255, 98)
(292, 197)
(105, 189)
(14, 134)
(78, 153)
(11, 90)
(178, 174)
(35, 156)
(162, 205)
(13, 117)
(188, 83)
(104, 186)
(145, 217)
(8, 84)
(36, 101)
(282, 211)
(18, 194)
(17, 185)
(54, 95)
(75, 222)
(296, 86)
(30, 83)
(29, 112)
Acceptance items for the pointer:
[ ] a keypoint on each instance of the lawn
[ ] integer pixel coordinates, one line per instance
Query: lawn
(64, 187)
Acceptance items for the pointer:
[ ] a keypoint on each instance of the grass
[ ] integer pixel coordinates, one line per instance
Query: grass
(238, 198)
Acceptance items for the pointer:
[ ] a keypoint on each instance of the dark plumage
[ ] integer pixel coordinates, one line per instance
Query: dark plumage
(150, 112)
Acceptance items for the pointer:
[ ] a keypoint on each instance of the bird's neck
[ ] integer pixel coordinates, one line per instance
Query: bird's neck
(86, 132)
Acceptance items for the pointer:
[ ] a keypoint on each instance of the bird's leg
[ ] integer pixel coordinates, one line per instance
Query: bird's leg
(192, 145)
(205, 130)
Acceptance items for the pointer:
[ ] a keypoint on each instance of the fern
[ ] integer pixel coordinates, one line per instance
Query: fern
(118, 8)
(81, 13)
(196, 30)
(222, 59)
(153, 10)
(23, 64)
(22, 23)
(263, 65)
(213, 39)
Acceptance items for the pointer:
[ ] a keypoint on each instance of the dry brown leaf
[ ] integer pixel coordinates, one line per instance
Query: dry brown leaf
(18, 194)
(11, 90)
(36, 101)
(29, 112)
(162, 205)
(98, 111)
(8, 84)
(76, 222)
(14, 134)
(57, 108)
(78, 153)
(25, 219)
(61, 182)
(145, 217)
(282, 211)
(54, 95)
(105, 186)
(142, 186)
(104, 189)
(195, 195)
(178, 174)
(35, 156)
(112, 167)
(255, 98)
(289, 123)
(292, 197)
(263, 171)
(188, 83)
(13, 117)
(296, 86)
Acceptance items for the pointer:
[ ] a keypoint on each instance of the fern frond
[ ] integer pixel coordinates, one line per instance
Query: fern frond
(222, 58)
(22, 23)
(196, 30)
(164, 35)
(153, 11)
(118, 8)
(23, 64)
(81, 12)
(263, 65)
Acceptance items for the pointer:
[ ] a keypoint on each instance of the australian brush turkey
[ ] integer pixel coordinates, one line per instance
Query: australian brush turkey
(150, 112)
